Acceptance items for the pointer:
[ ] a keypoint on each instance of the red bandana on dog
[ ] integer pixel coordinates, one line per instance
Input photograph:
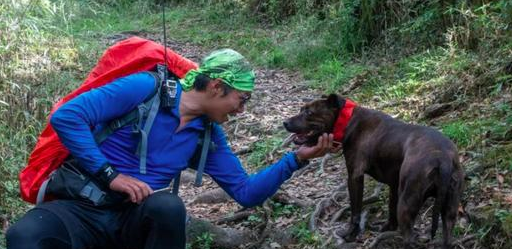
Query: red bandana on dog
(343, 118)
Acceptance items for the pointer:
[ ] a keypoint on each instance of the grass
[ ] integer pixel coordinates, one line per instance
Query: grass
(304, 236)
(459, 132)
(263, 152)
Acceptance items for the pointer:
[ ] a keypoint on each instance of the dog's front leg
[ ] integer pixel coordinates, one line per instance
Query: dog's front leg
(355, 190)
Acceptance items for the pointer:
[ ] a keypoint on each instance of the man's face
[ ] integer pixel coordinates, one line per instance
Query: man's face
(223, 106)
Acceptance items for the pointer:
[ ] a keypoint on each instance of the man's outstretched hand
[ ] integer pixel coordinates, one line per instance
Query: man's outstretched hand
(325, 145)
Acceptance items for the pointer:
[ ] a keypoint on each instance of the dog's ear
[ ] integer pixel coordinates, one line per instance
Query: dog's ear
(333, 100)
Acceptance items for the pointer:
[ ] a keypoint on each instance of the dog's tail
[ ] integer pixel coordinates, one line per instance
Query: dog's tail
(443, 184)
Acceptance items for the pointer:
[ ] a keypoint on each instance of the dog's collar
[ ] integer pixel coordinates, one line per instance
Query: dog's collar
(344, 116)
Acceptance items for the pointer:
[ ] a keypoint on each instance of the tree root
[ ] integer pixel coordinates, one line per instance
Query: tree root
(384, 236)
(266, 230)
(460, 242)
(285, 198)
(216, 195)
(234, 217)
(223, 237)
(369, 200)
(320, 207)
(325, 159)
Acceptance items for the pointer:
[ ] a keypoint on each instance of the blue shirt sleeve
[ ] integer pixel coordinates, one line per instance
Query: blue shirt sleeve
(74, 120)
(248, 190)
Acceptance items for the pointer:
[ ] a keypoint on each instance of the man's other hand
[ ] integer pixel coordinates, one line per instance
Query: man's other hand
(136, 189)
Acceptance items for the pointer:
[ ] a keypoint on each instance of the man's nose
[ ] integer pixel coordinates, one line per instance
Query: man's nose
(240, 109)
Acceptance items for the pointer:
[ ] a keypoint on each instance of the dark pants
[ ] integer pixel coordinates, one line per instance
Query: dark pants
(159, 222)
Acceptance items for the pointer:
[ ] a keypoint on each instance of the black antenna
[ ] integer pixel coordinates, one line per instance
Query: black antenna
(169, 86)
(165, 37)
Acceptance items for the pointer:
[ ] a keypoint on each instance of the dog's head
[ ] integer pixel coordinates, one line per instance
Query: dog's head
(314, 119)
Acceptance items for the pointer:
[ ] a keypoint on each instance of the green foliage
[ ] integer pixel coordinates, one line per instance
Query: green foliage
(283, 210)
(459, 132)
(37, 60)
(333, 74)
(505, 218)
(499, 156)
(203, 241)
(254, 219)
(304, 236)
(263, 152)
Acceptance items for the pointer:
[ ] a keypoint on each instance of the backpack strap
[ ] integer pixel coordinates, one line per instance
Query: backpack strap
(136, 116)
(145, 111)
(143, 144)
(204, 152)
(198, 160)
(42, 191)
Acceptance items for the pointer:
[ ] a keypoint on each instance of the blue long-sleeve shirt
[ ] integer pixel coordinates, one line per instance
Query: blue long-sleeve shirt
(168, 150)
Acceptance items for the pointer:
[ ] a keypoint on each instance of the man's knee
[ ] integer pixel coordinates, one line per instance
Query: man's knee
(15, 235)
(164, 207)
(37, 229)
(23, 235)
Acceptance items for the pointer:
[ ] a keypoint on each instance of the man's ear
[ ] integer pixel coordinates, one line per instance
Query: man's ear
(335, 101)
(215, 86)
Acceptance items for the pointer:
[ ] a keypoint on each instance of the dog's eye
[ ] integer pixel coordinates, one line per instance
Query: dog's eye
(308, 112)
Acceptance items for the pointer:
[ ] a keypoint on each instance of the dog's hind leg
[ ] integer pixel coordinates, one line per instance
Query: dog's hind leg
(392, 223)
(409, 204)
(449, 212)
(449, 217)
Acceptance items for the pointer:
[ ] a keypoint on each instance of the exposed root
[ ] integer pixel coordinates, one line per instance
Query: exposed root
(224, 237)
(320, 207)
(216, 195)
(375, 195)
(234, 217)
(369, 200)
(309, 168)
(325, 160)
(243, 151)
(266, 231)
(337, 196)
(461, 243)
(384, 236)
(338, 214)
(285, 198)
(364, 218)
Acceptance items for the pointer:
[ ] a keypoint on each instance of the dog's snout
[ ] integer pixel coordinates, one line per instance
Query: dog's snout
(286, 124)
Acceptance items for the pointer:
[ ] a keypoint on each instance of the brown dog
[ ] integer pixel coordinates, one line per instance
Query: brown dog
(416, 162)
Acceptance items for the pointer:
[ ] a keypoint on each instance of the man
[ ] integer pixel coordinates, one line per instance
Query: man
(217, 89)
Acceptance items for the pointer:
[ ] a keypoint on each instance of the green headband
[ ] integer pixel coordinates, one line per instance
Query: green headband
(225, 64)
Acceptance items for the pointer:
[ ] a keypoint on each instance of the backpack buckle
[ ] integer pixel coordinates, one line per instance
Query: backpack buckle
(115, 124)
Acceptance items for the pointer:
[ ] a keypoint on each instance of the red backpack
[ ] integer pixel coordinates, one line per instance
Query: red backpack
(123, 58)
